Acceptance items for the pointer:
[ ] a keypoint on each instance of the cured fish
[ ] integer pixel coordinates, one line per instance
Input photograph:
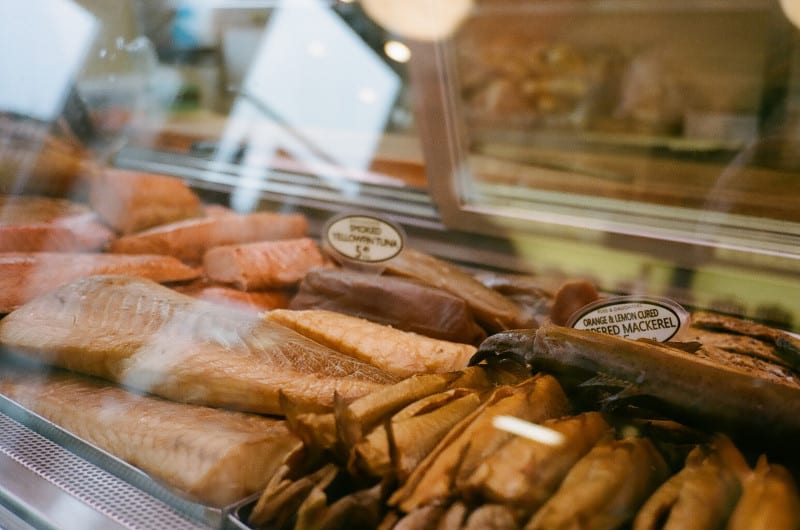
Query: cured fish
(401, 353)
(190, 239)
(131, 201)
(214, 456)
(398, 302)
(33, 224)
(694, 388)
(492, 310)
(25, 275)
(151, 338)
(605, 488)
(223, 294)
(263, 265)
(473, 439)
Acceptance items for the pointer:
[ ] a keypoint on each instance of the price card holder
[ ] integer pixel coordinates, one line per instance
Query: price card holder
(632, 317)
(362, 240)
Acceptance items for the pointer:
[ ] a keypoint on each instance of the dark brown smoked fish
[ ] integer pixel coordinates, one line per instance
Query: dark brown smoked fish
(694, 388)
(138, 333)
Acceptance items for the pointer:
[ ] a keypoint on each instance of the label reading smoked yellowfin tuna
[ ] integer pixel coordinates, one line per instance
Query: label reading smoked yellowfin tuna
(363, 238)
(632, 317)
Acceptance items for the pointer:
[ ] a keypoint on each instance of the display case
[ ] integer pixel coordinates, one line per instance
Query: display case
(543, 171)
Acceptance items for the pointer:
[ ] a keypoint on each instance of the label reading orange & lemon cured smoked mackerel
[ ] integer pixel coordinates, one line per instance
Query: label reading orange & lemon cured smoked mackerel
(632, 317)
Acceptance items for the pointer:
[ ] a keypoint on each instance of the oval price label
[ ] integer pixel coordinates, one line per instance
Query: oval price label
(364, 238)
(632, 317)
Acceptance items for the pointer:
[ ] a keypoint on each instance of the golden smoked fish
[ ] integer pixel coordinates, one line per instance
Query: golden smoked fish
(770, 500)
(214, 456)
(149, 337)
(398, 352)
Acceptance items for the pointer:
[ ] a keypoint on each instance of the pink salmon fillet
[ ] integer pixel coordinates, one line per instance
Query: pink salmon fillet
(32, 224)
(131, 201)
(189, 240)
(222, 294)
(151, 338)
(26, 275)
(263, 265)
(214, 456)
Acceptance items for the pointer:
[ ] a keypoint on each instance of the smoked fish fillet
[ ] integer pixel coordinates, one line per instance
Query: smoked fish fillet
(264, 264)
(26, 275)
(146, 336)
(401, 353)
(131, 201)
(223, 294)
(189, 240)
(214, 456)
(31, 224)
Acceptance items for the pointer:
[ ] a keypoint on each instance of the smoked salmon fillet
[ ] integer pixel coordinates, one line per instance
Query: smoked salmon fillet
(221, 294)
(32, 224)
(398, 352)
(214, 456)
(263, 265)
(25, 275)
(154, 339)
(189, 240)
(131, 201)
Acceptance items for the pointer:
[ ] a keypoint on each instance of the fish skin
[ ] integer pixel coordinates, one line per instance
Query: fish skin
(493, 310)
(402, 303)
(693, 389)
(525, 473)
(770, 500)
(214, 456)
(149, 337)
(474, 438)
(603, 489)
(701, 496)
(25, 275)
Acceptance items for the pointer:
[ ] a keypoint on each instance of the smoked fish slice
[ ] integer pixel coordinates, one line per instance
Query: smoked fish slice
(263, 264)
(474, 438)
(491, 517)
(402, 303)
(149, 337)
(694, 390)
(770, 500)
(413, 437)
(214, 456)
(401, 353)
(701, 496)
(39, 224)
(188, 240)
(132, 201)
(525, 473)
(26, 275)
(605, 488)
(493, 310)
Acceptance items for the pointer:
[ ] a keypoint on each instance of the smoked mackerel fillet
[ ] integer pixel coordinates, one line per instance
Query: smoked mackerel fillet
(145, 336)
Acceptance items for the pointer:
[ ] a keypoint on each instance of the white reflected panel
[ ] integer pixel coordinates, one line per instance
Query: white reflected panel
(43, 44)
(319, 78)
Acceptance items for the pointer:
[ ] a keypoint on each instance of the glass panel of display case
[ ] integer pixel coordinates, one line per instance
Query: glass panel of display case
(665, 131)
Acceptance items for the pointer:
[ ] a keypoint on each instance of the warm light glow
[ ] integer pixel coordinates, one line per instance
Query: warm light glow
(397, 51)
(791, 8)
(529, 430)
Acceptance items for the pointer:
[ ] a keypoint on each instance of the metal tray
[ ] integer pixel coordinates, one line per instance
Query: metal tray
(49, 478)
